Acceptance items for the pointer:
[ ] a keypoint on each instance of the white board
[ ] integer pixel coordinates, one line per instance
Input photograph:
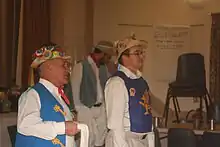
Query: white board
(169, 43)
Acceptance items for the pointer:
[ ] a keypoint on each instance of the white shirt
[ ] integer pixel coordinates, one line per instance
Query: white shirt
(30, 123)
(76, 78)
(116, 98)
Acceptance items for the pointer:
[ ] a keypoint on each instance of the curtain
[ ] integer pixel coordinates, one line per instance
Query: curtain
(9, 17)
(89, 5)
(16, 25)
(215, 58)
(20, 48)
(36, 31)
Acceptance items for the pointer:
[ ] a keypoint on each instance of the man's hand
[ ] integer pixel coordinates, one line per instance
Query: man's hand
(71, 128)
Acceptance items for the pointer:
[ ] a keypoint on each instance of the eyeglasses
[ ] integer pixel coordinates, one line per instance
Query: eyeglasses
(137, 53)
(68, 65)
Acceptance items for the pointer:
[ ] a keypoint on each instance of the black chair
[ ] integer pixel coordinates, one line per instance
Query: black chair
(190, 82)
(12, 130)
(210, 139)
(179, 137)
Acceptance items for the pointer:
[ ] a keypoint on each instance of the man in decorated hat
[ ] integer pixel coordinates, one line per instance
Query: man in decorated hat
(88, 81)
(44, 118)
(127, 98)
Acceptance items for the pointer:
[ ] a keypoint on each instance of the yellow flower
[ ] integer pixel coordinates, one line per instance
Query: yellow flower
(55, 54)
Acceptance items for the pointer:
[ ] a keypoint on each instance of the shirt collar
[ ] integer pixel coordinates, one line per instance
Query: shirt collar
(128, 73)
(51, 87)
(91, 61)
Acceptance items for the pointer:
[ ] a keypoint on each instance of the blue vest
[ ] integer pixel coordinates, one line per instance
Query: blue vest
(47, 113)
(139, 103)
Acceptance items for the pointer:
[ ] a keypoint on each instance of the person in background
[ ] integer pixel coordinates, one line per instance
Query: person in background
(88, 80)
(111, 66)
(44, 118)
(68, 92)
(127, 98)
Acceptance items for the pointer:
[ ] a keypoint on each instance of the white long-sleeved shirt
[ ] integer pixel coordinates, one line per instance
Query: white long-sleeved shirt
(116, 98)
(76, 78)
(30, 123)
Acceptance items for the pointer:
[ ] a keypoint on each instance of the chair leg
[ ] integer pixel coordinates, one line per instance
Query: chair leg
(210, 107)
(207, 107)
(175, 108)
(201, 105)
(167, 112)
(166, 107)
(177, 104)
(209, 98)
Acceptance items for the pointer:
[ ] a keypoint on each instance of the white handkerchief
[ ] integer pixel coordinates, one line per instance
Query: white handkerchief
(84, 130)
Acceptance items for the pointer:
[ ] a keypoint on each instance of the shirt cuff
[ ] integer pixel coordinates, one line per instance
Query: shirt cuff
(59, 128)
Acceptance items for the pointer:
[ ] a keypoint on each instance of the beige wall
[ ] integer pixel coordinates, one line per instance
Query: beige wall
(71, 23)
(71, 27)
(109, 13)
(57, 22)
(70, 20)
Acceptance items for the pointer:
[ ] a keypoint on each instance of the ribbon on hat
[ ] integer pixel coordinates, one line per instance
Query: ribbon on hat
(133, 36)
(46, 53)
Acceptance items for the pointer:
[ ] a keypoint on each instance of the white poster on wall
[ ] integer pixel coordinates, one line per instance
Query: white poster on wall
(172, 37)
(169, 43)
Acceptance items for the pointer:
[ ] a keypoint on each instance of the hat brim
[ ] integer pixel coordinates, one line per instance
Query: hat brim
(37, 61)
(110, 52)
(107, 50)
(119, 55)
(142, 45)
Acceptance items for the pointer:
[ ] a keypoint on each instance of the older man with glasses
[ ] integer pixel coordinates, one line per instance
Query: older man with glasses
(44, 118)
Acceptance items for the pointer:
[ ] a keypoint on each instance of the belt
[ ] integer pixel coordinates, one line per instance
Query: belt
(135, 135)
(144, 136)
(97, 105)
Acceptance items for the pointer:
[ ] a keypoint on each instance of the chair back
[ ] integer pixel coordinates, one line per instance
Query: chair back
(191, 69)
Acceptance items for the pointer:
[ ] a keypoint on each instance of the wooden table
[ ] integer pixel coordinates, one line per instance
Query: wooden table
(6, 119)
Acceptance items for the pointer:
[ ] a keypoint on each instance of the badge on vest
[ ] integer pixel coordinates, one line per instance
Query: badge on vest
(145, 102)
(58, 109)
(132, 91)
(56, 141)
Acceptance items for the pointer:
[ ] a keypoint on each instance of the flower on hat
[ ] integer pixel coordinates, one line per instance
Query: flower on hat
(121, 44)
(55, 53)
(38, 53)
(47, 52)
